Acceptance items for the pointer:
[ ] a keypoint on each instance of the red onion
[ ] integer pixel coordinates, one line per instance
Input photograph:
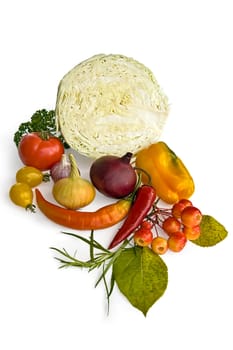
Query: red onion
(61, 169)
(113, 176)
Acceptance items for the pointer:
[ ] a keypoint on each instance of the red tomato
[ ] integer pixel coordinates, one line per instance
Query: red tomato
(41, 153)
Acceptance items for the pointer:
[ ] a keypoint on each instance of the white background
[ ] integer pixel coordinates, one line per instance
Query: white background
(188, 46)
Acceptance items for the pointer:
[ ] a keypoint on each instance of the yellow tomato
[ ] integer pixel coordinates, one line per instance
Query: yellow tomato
(21, 194)
(29, 175)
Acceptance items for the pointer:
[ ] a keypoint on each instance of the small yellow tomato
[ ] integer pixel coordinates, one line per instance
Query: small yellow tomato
(21, 194)
(30, 175)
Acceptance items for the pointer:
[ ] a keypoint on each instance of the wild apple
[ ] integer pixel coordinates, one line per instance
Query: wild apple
(191, 216)
(171, 225)
(159, 245)
(192, 233)
(179, 207)
(143, 237)
(177, 241)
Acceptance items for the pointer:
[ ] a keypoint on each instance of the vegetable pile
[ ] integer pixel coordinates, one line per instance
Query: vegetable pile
(150, 189)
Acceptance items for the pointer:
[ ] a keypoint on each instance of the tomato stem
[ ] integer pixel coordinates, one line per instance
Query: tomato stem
(46, 177)
(44, 135)
(31, 207)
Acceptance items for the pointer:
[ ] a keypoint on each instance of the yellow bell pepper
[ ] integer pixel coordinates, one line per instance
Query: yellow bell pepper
(169, 176)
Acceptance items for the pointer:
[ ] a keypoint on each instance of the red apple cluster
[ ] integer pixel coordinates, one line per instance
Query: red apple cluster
(180, 223)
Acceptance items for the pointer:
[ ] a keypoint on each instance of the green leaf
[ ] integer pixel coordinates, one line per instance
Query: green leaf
(212, 232)
(141, 276)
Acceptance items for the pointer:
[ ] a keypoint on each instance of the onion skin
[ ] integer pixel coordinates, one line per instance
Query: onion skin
(113, 176)
(73, 194)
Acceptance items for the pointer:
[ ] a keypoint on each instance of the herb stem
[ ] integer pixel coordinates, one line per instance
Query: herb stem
(104, 258)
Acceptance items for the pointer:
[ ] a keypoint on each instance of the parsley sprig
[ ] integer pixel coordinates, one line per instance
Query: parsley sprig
(41, 120)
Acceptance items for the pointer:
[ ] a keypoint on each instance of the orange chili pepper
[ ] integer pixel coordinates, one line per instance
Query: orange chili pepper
(104, 217)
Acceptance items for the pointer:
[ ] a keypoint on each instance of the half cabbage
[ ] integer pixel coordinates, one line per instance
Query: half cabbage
(110, 104)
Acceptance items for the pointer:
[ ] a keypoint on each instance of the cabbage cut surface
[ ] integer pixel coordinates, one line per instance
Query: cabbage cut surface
(110, 104)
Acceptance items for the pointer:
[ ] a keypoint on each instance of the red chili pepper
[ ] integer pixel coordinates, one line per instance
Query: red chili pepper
(145, 198)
